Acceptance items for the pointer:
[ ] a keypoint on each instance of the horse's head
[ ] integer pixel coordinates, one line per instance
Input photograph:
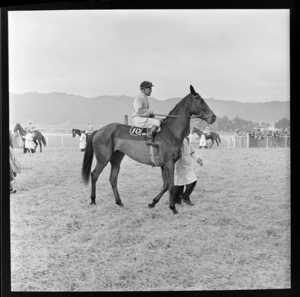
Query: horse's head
(73, 132)
(198, 131)
(200, 109)
(17, 127)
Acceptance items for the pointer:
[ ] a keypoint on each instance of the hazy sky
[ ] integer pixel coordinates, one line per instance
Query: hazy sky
(238, 55)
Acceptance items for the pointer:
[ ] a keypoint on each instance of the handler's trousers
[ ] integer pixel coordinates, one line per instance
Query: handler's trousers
(180, 195)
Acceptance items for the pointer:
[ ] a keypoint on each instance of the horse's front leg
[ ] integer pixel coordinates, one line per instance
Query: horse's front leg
(170, 181)
(24, 148)
(164, 190)
(212, 143)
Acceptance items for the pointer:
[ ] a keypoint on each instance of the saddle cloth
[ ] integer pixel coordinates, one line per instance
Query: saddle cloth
(138, 131)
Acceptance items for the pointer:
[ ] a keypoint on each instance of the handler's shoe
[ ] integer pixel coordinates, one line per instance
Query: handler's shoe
(188, 202)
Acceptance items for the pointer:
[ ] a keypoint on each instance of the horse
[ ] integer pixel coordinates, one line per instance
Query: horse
(113, 141)
(78, 132)
(38, 137)
(213, 136)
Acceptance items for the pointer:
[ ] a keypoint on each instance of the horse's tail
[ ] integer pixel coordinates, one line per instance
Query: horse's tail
(88, 159)
(43, 139)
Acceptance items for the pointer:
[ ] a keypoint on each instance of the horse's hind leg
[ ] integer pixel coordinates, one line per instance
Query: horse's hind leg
(36, 144)
(94, 177)
(115, 161)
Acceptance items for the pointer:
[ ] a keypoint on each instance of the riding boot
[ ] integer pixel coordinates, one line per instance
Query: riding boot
(151, 134)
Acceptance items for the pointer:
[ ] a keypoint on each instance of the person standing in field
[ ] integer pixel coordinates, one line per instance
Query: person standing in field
(202, 142)
(82, 141)
(185, 179)
(90, 129)
(14, 165)
(143, 116)
(29, 144)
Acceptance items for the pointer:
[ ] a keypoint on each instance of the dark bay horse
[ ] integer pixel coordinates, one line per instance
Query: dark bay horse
(213, 136)
(38, 137)
(113, 141)
(76, 131)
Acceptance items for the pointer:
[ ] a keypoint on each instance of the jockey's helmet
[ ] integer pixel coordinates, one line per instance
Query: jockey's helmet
(146, 84)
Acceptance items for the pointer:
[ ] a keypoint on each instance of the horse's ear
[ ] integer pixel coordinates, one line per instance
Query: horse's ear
(193, 90)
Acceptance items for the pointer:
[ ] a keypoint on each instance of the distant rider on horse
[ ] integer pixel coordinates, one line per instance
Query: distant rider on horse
(30, 127)
(206, 130)
(143, 116)
(90, 129)
(29, 144)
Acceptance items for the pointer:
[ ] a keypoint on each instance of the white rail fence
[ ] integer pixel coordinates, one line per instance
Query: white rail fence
(236, 141)
(227, 141)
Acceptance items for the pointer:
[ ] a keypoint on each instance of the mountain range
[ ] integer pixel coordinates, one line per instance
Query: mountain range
(65, 111)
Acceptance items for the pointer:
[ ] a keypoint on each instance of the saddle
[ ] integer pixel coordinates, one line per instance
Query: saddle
(32, 133)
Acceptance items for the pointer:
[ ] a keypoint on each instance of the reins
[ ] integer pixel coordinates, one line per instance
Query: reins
(178, 116)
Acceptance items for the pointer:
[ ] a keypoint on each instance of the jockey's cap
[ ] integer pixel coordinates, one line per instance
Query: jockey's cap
(146, 84)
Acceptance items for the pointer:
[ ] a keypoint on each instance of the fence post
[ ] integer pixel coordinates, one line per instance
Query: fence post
(234, 140)
(126, 119)
(62, 140)
(267, 141)
(228, 138)
(285, 140)
(248, 140)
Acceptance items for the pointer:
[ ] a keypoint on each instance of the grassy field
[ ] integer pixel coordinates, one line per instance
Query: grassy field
(236, 236)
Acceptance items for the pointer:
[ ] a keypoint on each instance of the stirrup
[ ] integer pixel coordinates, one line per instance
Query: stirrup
(152, 143)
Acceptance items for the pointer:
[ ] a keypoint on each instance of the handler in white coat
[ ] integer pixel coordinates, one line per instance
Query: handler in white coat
(82, 141)
(29, 144)
(202, 142)
(184, 175)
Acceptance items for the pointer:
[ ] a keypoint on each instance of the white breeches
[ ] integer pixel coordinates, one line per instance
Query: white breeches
(145, 122)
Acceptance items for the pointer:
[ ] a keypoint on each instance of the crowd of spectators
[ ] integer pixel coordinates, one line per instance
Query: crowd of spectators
(263, 133)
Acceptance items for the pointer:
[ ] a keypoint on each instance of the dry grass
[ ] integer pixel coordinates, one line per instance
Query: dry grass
(237, 236)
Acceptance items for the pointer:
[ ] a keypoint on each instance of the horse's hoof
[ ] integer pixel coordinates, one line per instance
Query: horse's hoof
(173, 209)
(120, 204)
(151, 205)
(93, 203)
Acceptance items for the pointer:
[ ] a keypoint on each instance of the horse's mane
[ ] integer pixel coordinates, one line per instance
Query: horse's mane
(197, 129)
(174, 110)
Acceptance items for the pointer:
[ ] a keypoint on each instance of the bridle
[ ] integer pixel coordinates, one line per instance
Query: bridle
(202, 116)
